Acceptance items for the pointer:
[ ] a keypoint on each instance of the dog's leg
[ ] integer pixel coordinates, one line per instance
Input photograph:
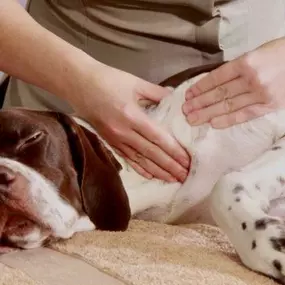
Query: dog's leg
(250, 207)
(199, 183)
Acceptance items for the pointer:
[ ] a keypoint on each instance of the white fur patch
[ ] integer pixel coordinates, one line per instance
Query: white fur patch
(50, 208)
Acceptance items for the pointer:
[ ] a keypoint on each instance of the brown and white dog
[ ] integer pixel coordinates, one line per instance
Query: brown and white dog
(58, 177)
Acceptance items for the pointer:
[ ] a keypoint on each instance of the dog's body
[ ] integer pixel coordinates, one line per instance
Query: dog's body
(229, 149)
(237, 177)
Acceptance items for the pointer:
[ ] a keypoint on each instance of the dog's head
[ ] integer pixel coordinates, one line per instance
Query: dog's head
(52, 172)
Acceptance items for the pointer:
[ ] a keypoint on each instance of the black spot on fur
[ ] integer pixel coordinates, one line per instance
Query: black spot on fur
(281, 180)
(229, 208)
(238, 188)
(262, 223)
(277, 243)
(277, 264)
(243, 225)
(257, 186)
(237, 199)
(277, 147)
(253, 244)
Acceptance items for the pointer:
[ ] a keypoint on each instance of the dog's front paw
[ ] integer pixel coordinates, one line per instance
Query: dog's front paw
(264, 246)
(259, 238)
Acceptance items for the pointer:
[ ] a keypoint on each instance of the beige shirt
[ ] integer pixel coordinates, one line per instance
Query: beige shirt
(153, 39)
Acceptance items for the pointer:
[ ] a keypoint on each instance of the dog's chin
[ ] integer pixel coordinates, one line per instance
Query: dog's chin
(22, 233)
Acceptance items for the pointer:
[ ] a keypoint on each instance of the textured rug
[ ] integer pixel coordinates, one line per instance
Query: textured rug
(148, 253)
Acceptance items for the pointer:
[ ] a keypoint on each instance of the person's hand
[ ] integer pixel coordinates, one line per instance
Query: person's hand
(111, 101)
(106, 97)
(243, 89)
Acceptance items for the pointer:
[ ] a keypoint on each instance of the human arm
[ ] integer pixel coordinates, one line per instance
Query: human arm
(106, 97)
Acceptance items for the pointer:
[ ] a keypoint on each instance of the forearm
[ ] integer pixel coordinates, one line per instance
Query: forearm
(35, 55)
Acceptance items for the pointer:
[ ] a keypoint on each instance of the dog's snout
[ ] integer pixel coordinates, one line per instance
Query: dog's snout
(7, 176)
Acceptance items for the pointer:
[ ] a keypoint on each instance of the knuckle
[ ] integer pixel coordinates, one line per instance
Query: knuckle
(138, 158)
(149, 151)
(204, 115)
(228, 105)
(116, 131)
(221, 93)
(247, 113)
(156, 140)
(225, 106)
(222, 89)
(235, 104)
(196, 89)
(171, 166)
(213, 78)
(197, 103)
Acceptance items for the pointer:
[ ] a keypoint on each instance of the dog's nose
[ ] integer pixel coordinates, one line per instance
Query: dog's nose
(7, 176)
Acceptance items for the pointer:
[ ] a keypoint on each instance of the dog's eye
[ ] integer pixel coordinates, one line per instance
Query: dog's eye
(34, 138)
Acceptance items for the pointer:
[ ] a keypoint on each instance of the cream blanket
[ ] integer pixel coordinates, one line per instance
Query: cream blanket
(148, 253)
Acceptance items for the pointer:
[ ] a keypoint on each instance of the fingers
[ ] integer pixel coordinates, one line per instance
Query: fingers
(154, 160)
(136, 166)
(139, 169)
(225, 107)
(217, 77)
(162, 148)
(240, 116)
(228, 90)
(145, 166)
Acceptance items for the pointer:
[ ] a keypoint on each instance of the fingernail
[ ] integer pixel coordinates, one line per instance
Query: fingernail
(187, 108)
(183, 176)
(189, 95)
(149, 176)
(185, 162)
(192, 118)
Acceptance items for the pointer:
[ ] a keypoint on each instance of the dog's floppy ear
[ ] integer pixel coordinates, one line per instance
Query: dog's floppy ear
(104, 198)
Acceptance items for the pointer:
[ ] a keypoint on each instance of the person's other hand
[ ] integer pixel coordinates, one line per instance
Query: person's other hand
(243, 89)
(111, 102)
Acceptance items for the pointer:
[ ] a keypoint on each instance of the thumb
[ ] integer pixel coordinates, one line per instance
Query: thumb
(152, 92)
